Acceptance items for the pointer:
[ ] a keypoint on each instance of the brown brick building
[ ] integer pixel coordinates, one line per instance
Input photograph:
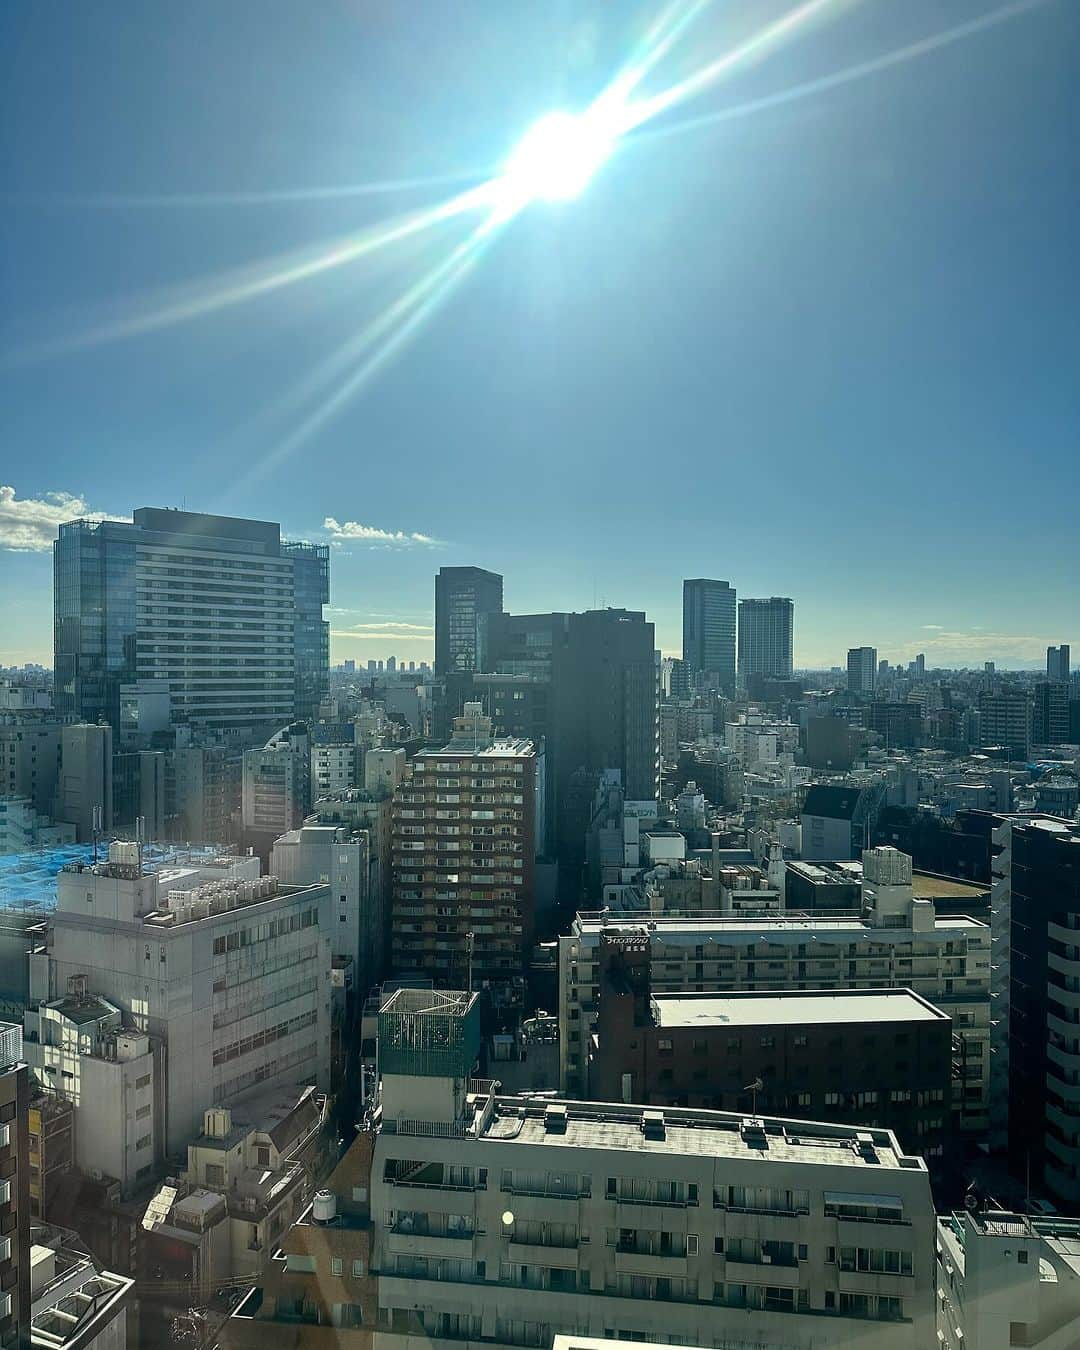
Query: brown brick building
(859, 1056)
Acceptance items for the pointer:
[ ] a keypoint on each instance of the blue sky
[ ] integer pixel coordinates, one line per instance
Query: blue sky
(826, 347)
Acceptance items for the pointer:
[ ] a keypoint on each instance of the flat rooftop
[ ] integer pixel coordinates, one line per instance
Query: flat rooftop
(29, 880)
(927, 886)
(767, 927)
(696, 1133)
(795, 1009)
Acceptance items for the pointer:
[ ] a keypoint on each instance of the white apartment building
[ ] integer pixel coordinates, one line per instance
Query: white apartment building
(78, 1050)
(337, 857)
(23, 827)
(1006, 1280)
(333, 768)
(229, 970)
(514, 1219)
(897, 942)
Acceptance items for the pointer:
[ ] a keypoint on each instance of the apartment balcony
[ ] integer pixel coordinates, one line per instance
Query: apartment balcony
(422, 1244)
(541, 1254)
(630, 1262)
(761, 1272)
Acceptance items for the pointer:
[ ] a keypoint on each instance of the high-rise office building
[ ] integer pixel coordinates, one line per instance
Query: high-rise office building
(765, 637)
(1050, 723)
(601, 673)
(861, 670)
(1057, 664)
(311, 632)
(709, 629)
(466, 599)
(1036, 901)
(218, 608)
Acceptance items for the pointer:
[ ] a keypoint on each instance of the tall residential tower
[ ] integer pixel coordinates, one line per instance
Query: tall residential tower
(765, 637)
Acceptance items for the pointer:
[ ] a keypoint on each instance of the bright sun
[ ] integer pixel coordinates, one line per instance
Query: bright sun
(556, 158)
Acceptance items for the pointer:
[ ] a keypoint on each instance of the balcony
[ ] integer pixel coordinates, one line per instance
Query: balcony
(400, 1243)
(631, 1261)
(542, 1254)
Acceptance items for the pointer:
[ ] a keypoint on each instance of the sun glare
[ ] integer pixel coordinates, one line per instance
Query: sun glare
(556, 158)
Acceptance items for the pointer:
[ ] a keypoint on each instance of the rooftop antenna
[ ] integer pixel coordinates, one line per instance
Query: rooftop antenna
(469, 957)
(95, 826)
(754, 1088)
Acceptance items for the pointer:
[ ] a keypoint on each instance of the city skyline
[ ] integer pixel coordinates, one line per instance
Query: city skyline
(763, 373)
(409, 634)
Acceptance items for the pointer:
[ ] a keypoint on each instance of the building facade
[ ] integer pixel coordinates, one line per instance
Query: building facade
(1057, 664)
(862, 668)
(896, 942)
(708, 633)
(464, 847)
(227, 970)
(15, 1260)
(860, 1057)
(512, 1219)
(466, 600)
(217, 607)
(765, 637)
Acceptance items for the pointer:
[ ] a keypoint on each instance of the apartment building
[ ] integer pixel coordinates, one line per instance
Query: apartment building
(464, 843)
(896, 941)
(512, 1219)
(228, 970)
(1006, 1280)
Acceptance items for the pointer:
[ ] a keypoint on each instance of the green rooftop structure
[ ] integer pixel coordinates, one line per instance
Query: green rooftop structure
(429, 1033)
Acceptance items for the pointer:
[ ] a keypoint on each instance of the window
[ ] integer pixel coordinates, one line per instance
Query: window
(691, 1244)
(1022, 1257)
(357, 1268)
(335, 1265)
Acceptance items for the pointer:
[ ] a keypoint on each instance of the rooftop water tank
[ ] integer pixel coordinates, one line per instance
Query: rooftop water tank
(324, 1207)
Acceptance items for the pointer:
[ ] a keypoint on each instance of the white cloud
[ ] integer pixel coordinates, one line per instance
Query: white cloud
(351, 531)
(933, 627)
(29, 524)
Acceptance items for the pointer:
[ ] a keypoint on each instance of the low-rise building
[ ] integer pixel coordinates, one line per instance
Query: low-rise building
(1007, 1280)
(228, 969)
(76, 1305)
(79, 1051)
(870, 1057)
(248, 1179)
(896, 941)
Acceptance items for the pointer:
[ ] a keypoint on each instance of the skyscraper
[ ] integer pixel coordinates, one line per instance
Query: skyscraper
(589, 687)
(861, 669)
(1057, 664)
(765, 637)
(15, 1298)
(217, 607)
(466, 598)
(709, 629)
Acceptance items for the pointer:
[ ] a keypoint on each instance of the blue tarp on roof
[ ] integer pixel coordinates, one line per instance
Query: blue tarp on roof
(28, 880)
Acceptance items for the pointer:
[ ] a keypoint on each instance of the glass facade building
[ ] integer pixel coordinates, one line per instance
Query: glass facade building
(709, 629)
(466, 600)
(216, 607)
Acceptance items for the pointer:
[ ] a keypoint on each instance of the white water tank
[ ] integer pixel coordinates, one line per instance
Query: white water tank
(324, 1207)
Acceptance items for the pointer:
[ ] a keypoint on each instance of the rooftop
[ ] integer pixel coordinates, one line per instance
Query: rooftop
(766, 928)
(793, 1009)
(28, 880)
(692, 1132)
